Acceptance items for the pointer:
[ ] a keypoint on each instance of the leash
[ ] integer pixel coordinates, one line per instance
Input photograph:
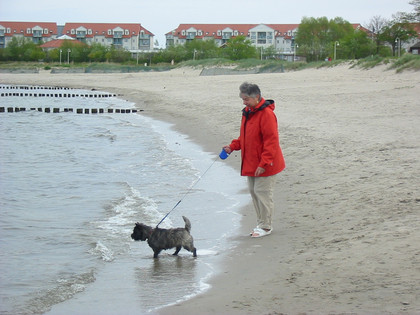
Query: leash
(176, 205)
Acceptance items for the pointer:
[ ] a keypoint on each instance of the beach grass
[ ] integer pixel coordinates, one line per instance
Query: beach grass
(403, 63)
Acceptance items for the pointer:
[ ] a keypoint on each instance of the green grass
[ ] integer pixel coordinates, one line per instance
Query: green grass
(404, 63)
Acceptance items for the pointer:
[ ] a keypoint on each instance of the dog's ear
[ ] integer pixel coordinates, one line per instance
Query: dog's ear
(137, 224)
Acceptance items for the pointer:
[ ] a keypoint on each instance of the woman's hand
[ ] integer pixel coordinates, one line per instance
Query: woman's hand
(227, 149)
(259, 171)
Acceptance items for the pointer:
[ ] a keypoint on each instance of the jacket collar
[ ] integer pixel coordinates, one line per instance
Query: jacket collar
(260, 106)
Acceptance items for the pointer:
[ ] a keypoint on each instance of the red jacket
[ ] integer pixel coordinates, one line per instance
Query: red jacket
(259, 140)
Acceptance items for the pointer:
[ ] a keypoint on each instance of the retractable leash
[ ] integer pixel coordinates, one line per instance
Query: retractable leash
(223, 155)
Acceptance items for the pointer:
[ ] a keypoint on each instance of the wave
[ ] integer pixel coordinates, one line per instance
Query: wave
(64, 289)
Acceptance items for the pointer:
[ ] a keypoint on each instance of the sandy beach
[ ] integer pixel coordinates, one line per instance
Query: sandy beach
(346, 225)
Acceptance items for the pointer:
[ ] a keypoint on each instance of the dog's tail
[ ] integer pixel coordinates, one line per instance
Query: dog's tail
(187, 224)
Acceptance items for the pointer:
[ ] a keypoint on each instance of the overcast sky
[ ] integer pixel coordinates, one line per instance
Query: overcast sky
(162, 16)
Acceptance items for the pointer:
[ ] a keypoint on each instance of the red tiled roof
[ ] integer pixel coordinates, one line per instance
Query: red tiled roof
(58, 42)
(22, 27)
(416, 27)
(99, 29)
(211, 29)
(282, 30)
(243, 29)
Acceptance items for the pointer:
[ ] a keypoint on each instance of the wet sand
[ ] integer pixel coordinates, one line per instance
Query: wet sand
(346, 236)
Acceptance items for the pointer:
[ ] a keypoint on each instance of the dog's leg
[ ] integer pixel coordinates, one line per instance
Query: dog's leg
(177, 250)
(156, 253)
(191, 249)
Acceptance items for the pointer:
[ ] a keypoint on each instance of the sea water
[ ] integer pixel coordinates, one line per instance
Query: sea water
(72, 187)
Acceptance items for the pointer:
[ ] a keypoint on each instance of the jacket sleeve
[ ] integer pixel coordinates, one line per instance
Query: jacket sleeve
(235, 145)
(270, 138)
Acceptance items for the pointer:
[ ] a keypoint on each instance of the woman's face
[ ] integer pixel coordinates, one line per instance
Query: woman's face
(250, 101)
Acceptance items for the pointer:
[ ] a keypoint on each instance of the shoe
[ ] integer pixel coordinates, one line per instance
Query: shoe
(252, 232)
(260, 232)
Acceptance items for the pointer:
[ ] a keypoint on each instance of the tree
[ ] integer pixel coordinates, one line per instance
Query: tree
(202, 49)
(118, 54)
(239, 48)
(413, 17)
(97, 53)
(316, 36)
(177, 53)
(375, 26)
(23, 49)
(357, 45)
(270, 52)
(396, 32)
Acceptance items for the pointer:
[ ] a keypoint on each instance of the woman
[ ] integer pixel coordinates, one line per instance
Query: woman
(261, 154)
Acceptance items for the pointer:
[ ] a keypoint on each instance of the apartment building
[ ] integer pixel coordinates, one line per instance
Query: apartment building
(132, 37)
(35, 31)
(279, 36)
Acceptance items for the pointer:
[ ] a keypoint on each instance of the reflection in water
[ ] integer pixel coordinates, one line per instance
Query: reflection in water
(165, 278)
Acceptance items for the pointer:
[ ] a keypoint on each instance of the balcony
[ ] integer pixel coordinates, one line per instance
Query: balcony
(80, 35)
(191, 35)
(37, 34)
(118, 35)
(117, 41)
(226, 36)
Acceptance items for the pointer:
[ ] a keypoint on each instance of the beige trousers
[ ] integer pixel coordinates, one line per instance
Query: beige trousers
(261, 190)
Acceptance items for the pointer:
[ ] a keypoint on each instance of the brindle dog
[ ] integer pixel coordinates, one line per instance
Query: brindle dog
(160, 239)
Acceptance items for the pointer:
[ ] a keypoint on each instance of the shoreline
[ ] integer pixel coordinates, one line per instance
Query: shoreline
(345, 232)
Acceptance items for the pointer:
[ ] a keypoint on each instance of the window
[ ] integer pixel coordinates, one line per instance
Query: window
(37, 33)
(45, 30)
(81, 34)
(191, 35)
(28, 30)
(262, 37)
(227, 35)
(117, 41)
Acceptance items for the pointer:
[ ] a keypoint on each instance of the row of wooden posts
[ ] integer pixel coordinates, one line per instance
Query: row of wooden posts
(28, 93)
(23, 94)
(49, 94)
(68, 110)
(33, 87)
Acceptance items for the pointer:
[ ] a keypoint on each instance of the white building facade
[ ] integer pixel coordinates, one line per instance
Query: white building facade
(131, 37)
(278, 36)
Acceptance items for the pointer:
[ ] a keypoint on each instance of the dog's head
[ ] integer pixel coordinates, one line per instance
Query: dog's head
(141, 232)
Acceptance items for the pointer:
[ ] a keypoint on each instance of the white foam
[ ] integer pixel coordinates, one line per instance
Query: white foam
(207, 252)
(103, 251)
